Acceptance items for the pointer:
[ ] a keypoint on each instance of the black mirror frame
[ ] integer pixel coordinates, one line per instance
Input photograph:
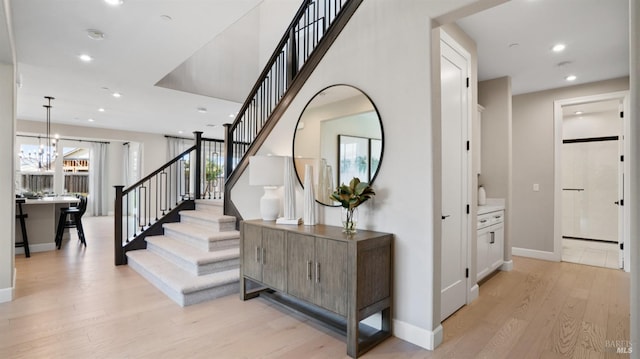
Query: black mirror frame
(293, 146)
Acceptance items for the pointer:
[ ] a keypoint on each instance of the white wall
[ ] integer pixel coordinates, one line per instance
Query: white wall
(372, 54)
(533, 161)
(7, 201)
(154, 147)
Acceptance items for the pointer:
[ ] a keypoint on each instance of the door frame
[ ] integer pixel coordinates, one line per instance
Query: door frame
(472, 291)
(625, 236)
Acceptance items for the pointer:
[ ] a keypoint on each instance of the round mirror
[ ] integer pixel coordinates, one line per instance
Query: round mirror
(340, 135)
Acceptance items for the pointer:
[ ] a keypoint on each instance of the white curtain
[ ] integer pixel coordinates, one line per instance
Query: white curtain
(176, 146)
(98, 195)
(132, 162)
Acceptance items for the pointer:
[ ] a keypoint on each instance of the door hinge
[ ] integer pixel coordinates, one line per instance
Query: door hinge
(621, 112)
(467, 82)
(467, 209)
(622, 202)
(621, 246)
(468, 145)
(621, 158)
(466, 273)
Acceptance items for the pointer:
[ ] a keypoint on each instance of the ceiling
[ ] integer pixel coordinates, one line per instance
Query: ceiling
(144, 41)
(515, 39)
(141, 47)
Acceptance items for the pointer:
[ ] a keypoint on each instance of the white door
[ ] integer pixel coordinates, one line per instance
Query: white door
(455, 111)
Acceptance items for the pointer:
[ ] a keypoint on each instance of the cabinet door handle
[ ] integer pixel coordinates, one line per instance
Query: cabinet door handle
(497, 217)
(483, 221)
(264, 256)
(317, 272)
(309, 270)
(257, 254)
(493, 238)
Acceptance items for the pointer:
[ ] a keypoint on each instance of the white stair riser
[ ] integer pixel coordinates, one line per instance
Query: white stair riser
(194, 268)
(189, 298)
(210, 294)
(213, 225)
(200, 243)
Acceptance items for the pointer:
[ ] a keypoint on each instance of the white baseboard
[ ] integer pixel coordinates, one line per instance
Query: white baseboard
(474, 292)
(33, 248)
(506, 266)
(534, 253)
(418, 336)
(6, 294)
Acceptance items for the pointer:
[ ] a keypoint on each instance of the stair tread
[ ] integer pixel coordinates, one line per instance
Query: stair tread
(201, 232)
(192, 254)
(207, 216)
(177, 278)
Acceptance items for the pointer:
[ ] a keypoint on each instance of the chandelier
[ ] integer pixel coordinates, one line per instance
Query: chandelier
(47, 153)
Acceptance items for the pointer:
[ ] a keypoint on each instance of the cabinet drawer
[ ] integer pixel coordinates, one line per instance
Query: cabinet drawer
(491, 218)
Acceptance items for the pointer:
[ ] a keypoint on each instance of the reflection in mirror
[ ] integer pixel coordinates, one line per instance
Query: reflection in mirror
(340, 134)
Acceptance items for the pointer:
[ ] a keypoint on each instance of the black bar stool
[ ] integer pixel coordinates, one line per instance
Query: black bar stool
(75, 220)
(22, 216)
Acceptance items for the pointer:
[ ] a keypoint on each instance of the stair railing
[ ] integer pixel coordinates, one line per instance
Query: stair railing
(143, 207)
(315, 26)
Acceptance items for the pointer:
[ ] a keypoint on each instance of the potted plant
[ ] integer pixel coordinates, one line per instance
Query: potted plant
(350, 197)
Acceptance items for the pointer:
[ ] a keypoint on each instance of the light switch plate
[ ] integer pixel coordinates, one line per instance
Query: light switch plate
(536, 187)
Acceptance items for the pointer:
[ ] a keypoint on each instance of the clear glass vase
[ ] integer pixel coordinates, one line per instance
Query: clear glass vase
(349, 220)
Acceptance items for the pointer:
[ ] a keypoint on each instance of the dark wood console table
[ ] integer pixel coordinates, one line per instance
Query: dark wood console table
(321, 272)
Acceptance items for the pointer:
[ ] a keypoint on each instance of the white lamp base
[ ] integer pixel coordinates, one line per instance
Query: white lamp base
(270, 204)
(294, 221)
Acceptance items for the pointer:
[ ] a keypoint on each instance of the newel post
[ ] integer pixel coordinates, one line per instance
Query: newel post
(198, 164)
(228, 150)
(117, 228)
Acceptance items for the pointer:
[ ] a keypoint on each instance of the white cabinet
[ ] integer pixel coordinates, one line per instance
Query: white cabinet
(490, 246)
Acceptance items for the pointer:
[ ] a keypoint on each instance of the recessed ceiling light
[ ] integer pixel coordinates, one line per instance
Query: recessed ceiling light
(117, 95)
(211, 125)
(114, 2)
(571, 78)
(578, 112)
(180, 132)
(86, 58)
(232, 115)
(558, 47)
(101, 109)
(95, 34)
(90, 120)
(202, 109)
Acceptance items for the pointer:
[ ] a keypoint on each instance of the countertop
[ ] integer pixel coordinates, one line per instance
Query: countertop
(54, 200)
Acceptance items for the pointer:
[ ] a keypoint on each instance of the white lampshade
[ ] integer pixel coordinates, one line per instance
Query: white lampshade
(266, 171)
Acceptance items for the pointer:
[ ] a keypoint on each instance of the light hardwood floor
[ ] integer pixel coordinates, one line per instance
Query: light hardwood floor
(74, 303)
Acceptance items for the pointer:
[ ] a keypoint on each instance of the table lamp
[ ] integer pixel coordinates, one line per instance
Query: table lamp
(267, 171)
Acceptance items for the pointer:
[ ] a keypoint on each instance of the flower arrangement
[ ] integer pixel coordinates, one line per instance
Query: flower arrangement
(350, 197)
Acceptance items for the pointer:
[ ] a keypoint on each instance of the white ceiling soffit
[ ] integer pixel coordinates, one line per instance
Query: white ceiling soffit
(515, 39)
(225, 68)
(229, 65)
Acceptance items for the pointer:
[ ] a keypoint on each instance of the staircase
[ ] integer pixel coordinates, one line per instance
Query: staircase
(197, 259)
